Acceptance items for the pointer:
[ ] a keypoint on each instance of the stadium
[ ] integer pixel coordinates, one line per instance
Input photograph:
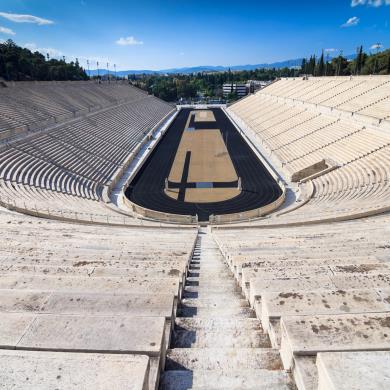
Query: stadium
(156, 245)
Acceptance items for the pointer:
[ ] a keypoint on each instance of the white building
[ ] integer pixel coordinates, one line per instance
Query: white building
(240, 89)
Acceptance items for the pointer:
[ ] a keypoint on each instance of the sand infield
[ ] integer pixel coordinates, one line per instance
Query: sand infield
(209, 162)
(204, 116)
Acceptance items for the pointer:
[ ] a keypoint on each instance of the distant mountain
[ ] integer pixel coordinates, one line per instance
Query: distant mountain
(203, 68)
(121, 73)
(211, 68)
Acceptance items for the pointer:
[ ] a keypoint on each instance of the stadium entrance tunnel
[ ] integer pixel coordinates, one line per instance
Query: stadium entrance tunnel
(202, 166)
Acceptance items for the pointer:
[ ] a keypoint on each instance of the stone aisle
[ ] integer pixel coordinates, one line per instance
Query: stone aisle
(217, 342)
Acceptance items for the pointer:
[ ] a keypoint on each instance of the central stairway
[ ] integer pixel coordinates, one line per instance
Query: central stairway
(217, 342)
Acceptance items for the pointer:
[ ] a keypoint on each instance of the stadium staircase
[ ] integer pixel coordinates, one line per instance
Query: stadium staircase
(217, 342)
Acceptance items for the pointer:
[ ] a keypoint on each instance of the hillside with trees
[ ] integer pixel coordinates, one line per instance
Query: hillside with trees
(20, 64)
(363, 64)
(209, 84)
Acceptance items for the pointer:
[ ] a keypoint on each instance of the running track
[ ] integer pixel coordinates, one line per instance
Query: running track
(258, 186)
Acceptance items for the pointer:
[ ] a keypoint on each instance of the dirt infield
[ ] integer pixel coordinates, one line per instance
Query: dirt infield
(210, 162)
(212, 174)
(204, 116)
(207, 195)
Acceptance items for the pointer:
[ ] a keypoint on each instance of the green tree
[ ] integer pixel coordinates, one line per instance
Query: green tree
(17, 63)
(388, 63)
(320, 69)
(359, 60)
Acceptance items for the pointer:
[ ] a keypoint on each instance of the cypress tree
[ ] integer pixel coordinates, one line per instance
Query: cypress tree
(321, 65)
(359, 60)
(303, 66)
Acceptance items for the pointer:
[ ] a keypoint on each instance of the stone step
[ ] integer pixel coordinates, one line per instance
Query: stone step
(222, 359)
(276, 305)
(210, 281)
(90, 284)
(212, 289)
(261, 286)
(212, 324)
(274, 333)
(215, 302)
(202, 274)
(223, 338)
(228, 296)
(88, 371)
(244, 312)
(147, 271)
(353, 370)
(305, 373)
(360, 281)
(215, 288)
(240, 264)
(309, 335)
(137, 305)
(282, 273)
(221, 333)
(83, 333)
(210, 267)
(229, 380)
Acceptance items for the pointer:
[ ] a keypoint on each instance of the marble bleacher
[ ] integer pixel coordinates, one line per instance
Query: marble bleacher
(294, 125)
(320, 293)
(76, 136)
(109, 290)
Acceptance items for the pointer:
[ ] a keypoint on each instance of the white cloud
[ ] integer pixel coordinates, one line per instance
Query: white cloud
(355, 3)
(128, 41)
(19, 18)
(30, 46)
(331, 50)
(5, 30)
(377, 46)
(371, 3)
(354, 21)
(53, 53)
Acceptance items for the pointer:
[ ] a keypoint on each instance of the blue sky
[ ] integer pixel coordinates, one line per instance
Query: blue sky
(147, 34)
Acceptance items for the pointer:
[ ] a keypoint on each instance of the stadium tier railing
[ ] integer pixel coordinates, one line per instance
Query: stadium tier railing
(158, 215)
(89, 218)
(250, 215)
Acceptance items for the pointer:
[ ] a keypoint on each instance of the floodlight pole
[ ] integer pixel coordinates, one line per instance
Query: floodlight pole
(327, 63)
(108, 72)
(339, 63)
(378, 46)
(357, 64)
(89, 72)
(97, 63)
(115, 72)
